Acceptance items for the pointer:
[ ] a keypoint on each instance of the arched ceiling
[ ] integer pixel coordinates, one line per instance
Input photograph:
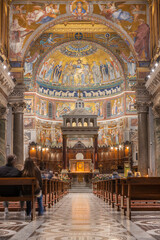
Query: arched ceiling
(78, 56)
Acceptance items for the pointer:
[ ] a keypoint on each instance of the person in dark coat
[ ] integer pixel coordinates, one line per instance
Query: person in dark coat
(31, 170)
(9, 170)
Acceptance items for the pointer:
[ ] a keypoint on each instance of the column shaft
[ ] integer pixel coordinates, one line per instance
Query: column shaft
(65, 152)
(143, 143)
(18, 136)
(157, 146)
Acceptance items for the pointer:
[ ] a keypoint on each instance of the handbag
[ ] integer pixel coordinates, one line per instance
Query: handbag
(38, 191)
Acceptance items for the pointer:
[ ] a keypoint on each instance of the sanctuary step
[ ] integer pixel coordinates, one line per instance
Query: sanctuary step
(80, 188)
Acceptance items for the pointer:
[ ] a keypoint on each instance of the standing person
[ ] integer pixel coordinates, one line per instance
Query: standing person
(9, 170)
(31, 170)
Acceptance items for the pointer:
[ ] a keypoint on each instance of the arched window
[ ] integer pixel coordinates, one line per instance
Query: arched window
(108, 109)
(50, 110)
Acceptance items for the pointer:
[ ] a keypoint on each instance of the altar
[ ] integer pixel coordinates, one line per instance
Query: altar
(77, 166)
(80, 165)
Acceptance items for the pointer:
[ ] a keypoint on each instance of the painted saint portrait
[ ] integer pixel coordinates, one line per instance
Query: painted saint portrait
(79, 8)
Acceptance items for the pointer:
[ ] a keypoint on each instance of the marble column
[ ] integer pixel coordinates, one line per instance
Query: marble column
(65, 151)
(3, 117)
(96, 152)
(142, 109)
(157, 141)
(18, 135)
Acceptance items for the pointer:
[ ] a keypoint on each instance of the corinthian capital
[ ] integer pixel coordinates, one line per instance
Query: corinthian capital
(18, 107)
(142, 107)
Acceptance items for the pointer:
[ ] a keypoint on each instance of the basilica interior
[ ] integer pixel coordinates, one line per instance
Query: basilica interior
(80, 96)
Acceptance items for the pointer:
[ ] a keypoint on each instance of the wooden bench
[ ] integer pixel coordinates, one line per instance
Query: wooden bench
(20, 182)
(142, 194)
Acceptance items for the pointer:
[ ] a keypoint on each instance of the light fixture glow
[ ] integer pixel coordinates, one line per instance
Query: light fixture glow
(111, 148)
(152, 70)
(156, 64)
(33, 148)
(9, 73)
(4, 66)
(149, 76)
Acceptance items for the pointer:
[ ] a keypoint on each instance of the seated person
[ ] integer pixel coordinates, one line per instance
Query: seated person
(31, 170)
(115, 175)
(129, 174)
(9, 170)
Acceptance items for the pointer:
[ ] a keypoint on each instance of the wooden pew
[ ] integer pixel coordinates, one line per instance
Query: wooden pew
(20, 182)
(142, 194)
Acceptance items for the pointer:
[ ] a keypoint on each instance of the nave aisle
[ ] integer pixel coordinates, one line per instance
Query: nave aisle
(81, 216)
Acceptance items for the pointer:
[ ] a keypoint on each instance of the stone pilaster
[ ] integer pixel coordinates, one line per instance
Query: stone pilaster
(156, 112)
(16, 100)
(3, 117)
(142, 105)
(18, 135)
(95, 141)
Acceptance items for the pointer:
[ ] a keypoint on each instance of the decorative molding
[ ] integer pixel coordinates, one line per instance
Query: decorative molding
(6, 83)
(3, 113)
(156, 106)
(133, 135)
(153, 83)
(18, 94)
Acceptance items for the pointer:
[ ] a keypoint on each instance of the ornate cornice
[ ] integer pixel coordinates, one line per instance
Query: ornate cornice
(153, 83)
(6, 83)
(18, 93)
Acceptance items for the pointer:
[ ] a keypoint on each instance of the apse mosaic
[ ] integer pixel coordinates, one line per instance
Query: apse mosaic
(79, 64)
(43, 89)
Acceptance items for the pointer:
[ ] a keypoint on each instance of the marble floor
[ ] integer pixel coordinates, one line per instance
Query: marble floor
(81, 216)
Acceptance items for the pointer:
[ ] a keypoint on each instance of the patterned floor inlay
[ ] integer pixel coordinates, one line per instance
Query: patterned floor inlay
(81, 216)
(149, 223)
